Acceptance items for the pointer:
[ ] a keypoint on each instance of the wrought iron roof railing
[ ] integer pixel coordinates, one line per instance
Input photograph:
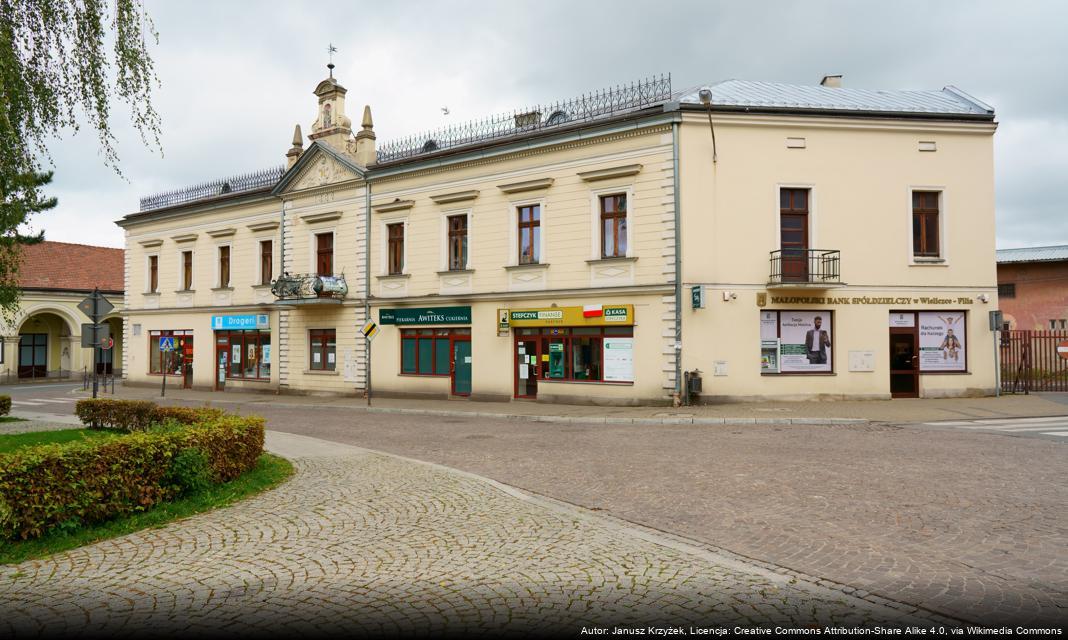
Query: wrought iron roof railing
(235, 184)
(585, 108)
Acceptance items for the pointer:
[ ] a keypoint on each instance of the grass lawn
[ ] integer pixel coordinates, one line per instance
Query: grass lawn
(269, 472)
(12, 441)
(11, 419)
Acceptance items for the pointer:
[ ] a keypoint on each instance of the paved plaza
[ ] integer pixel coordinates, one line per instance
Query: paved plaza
(362, 542)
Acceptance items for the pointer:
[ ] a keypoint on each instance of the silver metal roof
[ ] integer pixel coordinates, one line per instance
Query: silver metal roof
(775, 95)
(1034, 254)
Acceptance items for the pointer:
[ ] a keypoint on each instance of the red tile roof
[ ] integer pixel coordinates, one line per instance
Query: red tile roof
(78, 267)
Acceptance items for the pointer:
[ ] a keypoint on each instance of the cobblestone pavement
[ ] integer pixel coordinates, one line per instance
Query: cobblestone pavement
(361, 542)
(969, 525)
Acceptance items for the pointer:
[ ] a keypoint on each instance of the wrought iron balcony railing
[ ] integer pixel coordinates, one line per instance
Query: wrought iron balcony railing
(308, 286)
(805, 267)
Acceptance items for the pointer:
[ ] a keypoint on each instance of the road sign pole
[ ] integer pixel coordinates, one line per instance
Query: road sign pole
(167, 365)
(368, 371)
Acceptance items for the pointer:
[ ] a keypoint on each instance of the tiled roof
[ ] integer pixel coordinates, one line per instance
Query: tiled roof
(1034, 254)
(78, 267)
(775, 95)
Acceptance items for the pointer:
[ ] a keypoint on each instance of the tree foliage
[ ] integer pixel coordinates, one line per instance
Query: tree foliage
(62, 65)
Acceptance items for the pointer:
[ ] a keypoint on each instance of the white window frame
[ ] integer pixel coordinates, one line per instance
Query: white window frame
(383, 244)
(148, 271)
(943, 254)
(443, 261)
(813, 213)
(595, 219)
(313, 248)
(193, 270)
(218, 266)
(513, 231)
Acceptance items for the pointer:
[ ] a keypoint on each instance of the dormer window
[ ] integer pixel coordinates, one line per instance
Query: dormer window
(557, 117)
(430, 145)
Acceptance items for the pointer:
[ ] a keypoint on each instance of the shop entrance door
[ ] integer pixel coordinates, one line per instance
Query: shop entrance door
(222, 360)
(904, 363)
(526, 368)
(185, 346)
(33, 355)
(461, 365)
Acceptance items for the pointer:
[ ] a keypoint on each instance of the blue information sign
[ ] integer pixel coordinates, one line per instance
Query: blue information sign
(246, 321)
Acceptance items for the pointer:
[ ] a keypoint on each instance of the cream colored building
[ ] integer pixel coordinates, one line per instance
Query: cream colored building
(42, 341)
(592, 251)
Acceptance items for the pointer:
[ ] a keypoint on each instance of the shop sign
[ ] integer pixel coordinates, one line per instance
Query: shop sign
(425, 315)
(246, 321)
(587, 316)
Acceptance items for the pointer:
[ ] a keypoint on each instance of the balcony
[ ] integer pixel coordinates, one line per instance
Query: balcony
(805, 269)
(309, 289)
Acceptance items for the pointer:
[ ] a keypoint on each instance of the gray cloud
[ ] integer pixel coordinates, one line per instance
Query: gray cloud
(237, 76)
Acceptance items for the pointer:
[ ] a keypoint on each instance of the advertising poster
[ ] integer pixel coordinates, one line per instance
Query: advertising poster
(942, 341)
(769, 325)
(618, 359)
(805, 341)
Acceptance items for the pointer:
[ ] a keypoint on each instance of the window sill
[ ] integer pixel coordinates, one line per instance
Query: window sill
(151, 293)
(613, 383)
(611, 260)
(919, 260)
(218, 289)
(186, 291)
(393, 276)
(423, 375)
(260, 380)
(261, 286)
(455, 272)
(800, 373)
(533, 265)
(321, 372)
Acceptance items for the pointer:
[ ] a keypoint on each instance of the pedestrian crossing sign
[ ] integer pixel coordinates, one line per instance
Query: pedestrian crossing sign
(166, 343)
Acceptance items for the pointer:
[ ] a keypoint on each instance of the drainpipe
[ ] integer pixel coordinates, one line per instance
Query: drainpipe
(367, 276)
(677, 400)
(282, 239)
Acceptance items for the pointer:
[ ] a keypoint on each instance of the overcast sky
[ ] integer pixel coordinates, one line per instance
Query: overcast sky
(236, 76)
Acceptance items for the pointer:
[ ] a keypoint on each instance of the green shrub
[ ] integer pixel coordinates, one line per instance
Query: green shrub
(46, 486)
(190, 471)
(137, 415)
(5, 405)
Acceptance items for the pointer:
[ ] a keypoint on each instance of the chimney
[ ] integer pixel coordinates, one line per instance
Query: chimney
(365, 139)
(298, 148)
(834, 82)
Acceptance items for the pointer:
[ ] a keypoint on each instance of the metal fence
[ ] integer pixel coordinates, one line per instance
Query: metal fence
(1030, 362)
(587, 107)
(805, 266)
(234, 184)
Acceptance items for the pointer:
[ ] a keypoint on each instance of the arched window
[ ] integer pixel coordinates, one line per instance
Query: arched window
(430, 145)
(557, 117)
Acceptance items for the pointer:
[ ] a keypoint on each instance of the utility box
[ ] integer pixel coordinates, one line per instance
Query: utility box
(694, 383)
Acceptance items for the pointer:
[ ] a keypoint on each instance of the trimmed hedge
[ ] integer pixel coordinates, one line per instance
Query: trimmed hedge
(67, 485)
(136, 415)
(5, 405)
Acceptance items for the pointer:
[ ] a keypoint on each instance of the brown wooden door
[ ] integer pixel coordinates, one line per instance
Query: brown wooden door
(793, 234)
(324, 254)
(904, 362)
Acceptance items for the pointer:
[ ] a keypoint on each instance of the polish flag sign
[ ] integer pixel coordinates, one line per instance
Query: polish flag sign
(592, 311)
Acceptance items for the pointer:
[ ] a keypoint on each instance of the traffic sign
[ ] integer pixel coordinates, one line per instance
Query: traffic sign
(1062, 349)
(107, 343)
(370, 330)
(95, 305)
(94, 334)
(166, 343)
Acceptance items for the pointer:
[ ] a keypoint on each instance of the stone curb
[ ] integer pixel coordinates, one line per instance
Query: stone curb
(613, 419)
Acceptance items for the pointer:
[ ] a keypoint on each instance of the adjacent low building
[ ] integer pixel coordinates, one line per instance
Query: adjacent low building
(1033, 288)
(42, 341)
(770, 240)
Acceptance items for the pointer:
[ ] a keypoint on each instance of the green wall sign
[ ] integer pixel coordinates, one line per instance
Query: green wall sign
(425, 315)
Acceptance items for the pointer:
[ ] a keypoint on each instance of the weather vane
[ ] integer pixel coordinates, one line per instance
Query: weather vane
(331, 50)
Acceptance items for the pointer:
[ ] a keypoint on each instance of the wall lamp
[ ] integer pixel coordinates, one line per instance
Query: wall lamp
(706, 99)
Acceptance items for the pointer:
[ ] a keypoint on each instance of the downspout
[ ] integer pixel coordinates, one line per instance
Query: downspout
(677, 400)
(367, 276)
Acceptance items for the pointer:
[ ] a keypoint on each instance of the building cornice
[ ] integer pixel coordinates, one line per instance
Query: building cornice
(505, 296)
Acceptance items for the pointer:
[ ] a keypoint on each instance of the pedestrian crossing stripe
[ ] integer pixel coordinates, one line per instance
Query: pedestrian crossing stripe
(1041, 425)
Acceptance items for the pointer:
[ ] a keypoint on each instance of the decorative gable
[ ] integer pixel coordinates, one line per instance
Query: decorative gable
(318, 167)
